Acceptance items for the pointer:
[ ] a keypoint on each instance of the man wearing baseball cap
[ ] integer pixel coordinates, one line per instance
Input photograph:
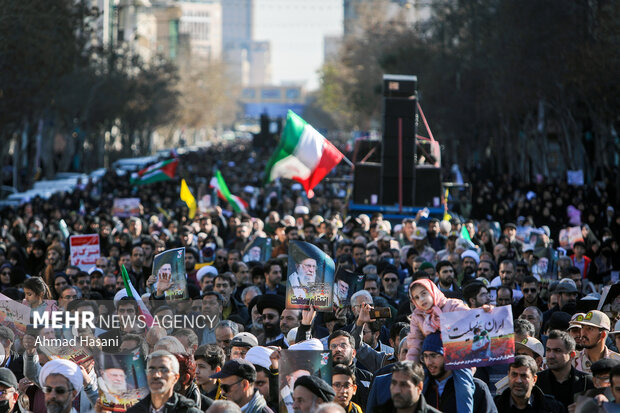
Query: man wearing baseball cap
(595, 326)
(240, 345)
(237, 381)
(574, 329)
(532, 347)
(8, 390)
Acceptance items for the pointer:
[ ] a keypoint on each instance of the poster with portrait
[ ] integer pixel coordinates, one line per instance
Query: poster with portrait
(570, 235)
(476, 338)
(14, 315)
(126, 207)
(344, 287)
(297, 363)
(310, 277)
(170, 265)
(78, 354)
(121, 380)
(257, 250)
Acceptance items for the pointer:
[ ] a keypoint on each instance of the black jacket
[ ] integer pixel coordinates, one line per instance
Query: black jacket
(518, 308)
(280, 290)
(580, 381)
(16, 365)
(201, 401)
(175, 404)
(363, 378)
(542, 402)
(483, 400)
(422, 407)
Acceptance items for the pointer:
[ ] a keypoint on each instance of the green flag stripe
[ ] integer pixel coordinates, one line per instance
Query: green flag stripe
(126, 281)
(288, 142)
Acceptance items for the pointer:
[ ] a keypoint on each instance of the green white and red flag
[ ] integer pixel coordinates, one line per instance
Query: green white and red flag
(303, 155)
(161, 171)
(133, 294)
(218, 183)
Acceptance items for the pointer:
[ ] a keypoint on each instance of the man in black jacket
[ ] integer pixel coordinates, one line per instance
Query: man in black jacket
(342, 346)
(523, 394)
(562, 380)
(406, 390)
(162, 371)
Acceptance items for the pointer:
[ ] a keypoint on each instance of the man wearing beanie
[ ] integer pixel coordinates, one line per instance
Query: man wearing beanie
(439, 388)
(310, 392)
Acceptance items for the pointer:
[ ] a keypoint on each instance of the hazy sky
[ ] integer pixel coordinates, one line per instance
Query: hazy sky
(296, 29)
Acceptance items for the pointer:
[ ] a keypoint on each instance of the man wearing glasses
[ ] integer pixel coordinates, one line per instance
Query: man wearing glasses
(342, 346)
(531, 296)
(391, 284)
(343, 382)
(8, 390)
(305, 275)
(162, 372)
(237, 379)
(61, 381)
(68, 294)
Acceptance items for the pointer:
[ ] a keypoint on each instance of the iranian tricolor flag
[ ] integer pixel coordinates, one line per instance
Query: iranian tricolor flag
(133, 294)
(218, 183)
(161, 171)
(303, 154)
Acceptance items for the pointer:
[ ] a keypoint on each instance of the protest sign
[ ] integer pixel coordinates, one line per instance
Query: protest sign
(477, 338)
(84, 250)
(297, 363)
(170, 265)
(570, 235)
(14, 315)
(257, 250)
(310, 277)
(78, 354)
(121, 380)
(126, 207)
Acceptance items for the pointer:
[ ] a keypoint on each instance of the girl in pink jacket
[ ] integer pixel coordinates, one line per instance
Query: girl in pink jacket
(429, 304)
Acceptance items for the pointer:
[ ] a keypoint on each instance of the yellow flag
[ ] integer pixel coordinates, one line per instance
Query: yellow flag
(189, 199)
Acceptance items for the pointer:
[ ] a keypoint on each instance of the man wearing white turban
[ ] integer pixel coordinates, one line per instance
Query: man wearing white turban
(61, 381)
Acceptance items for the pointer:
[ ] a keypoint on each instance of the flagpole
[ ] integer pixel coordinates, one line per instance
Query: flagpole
(344, 158)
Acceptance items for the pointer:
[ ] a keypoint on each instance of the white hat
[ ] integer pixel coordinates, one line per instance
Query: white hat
(471, 254)
(419, 234)
(532, 344)
(290, 337)
(301, 210)
(65, 368)
(616, 328)
(207, 269)
(312, 344)
(119, 295)
(259, 356)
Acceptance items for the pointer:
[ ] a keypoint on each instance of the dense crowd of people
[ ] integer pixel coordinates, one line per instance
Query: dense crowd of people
(565, 300)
